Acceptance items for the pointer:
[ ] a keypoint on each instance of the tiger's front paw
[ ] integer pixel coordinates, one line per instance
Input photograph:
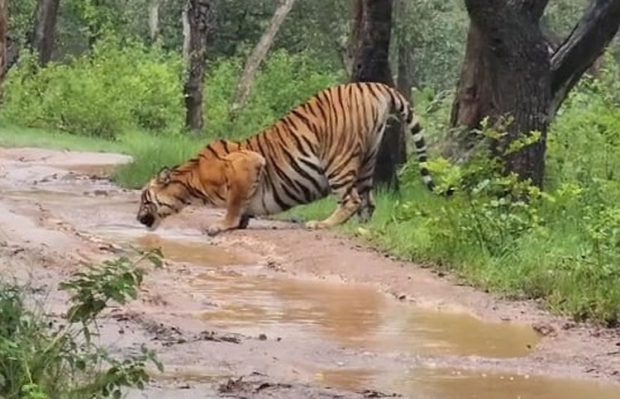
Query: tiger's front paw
(315, 225)
(213, 230)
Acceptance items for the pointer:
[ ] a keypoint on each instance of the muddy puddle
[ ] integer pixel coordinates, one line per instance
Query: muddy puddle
(356, 316)
(440, 383)
(197, 253)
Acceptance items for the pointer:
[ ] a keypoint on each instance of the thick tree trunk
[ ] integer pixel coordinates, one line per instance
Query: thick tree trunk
(512, 74)
(195, 47)
(42, 40)
(372, 65)
(246, 81)
(4, 43)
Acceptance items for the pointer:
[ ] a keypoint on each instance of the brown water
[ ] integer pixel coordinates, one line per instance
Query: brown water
(198, 253)
(440, 383)
(357, 316)
(360, 317)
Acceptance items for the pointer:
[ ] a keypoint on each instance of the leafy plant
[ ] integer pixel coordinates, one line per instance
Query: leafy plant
(42, 359)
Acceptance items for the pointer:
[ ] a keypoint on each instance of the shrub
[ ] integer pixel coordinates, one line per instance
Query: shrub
(42, 359)
(286, 80)
(114, 88)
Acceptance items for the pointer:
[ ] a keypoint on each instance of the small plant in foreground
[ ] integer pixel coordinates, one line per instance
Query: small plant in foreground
(42, 359)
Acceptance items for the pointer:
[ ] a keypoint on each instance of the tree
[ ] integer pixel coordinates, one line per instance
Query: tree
(154, 20)
(511, 74)
(42, 40)
(195, 29)
(244, 87)
(371, 64)
(4, 43)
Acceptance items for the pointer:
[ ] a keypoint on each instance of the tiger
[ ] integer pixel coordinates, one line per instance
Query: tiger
(327, 145)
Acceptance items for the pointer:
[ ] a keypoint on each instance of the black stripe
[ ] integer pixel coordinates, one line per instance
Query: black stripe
(303, 174)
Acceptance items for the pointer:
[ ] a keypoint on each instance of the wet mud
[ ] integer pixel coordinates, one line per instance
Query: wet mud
(275, 311)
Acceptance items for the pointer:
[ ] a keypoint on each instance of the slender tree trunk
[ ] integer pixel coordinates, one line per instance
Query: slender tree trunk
(244, 87)
(4, 43)
(154, 20)
(372, 65)
(195, 47)
(511, 74)
(404, 83)
(42, 40)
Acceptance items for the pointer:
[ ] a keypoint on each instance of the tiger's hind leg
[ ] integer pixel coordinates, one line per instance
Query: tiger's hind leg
(343, 187)
(364, 188)
(367, 207)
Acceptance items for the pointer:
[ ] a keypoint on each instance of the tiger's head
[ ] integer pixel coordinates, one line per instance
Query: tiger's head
(161, 197)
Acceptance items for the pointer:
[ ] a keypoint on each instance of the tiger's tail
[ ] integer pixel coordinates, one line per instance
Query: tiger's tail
(407, 115)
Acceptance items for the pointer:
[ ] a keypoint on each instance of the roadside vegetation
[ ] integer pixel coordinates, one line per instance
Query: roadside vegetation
(45, 357)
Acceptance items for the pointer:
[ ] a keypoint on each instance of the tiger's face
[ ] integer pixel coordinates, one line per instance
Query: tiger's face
(160, 198)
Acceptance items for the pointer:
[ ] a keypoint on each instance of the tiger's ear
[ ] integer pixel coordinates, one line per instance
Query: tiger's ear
(163, 176)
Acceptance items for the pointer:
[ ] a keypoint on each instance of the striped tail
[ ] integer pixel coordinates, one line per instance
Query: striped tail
(413, 125)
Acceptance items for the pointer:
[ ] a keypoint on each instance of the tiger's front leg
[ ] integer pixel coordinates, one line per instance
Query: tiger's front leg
(243, 172)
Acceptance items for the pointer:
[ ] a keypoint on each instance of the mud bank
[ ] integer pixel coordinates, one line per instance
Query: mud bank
(277, 311)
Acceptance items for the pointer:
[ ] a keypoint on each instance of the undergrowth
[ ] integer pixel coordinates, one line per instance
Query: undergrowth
(45, 358)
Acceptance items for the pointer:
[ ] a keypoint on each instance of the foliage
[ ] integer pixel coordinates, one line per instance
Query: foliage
(116, 87)
(285, 81)
(42, 359)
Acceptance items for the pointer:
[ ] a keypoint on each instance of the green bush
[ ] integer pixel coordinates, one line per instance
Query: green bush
(114, 88)
(41, 358)
(286, 80)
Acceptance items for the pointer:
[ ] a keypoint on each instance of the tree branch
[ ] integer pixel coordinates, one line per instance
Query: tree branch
(583, 46)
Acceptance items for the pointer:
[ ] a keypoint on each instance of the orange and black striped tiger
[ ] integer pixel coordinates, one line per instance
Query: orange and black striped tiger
(327, 145)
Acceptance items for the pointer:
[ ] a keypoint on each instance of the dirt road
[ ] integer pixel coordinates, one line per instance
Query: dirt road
(279, 312)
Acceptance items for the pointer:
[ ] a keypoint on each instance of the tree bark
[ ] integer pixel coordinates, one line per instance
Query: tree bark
(372, 65)
(404, 83)
(4, 43)
(154, 20)
(585, 44)
(42, 40)
(246, 81)
(512, 73)
(195, 48)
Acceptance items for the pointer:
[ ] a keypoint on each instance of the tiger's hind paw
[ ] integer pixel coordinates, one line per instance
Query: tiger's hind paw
(315, 225)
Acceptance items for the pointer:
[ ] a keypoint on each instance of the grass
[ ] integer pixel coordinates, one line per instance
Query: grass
(557, 262)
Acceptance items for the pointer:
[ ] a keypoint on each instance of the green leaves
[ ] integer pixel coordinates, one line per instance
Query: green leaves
(116, 280)
(40, 359)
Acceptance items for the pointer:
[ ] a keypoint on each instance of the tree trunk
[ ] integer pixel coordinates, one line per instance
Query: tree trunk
(372, 65)
(154, 20)
(244, 87)
(195, 48)
(42, 40)
(404, 83)
(510, 74)
(4, 43)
